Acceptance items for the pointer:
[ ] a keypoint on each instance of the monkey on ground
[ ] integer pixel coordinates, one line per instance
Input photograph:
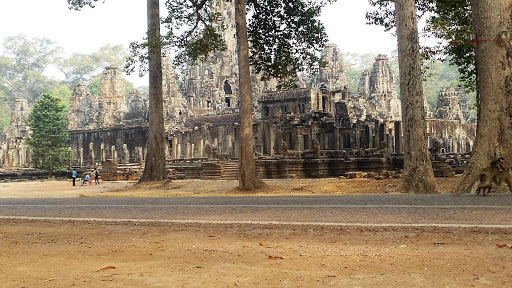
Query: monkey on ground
(492, 176)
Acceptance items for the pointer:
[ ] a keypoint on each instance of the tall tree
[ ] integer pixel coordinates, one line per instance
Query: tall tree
(155, 157)
(82, 67)
(418, 176)
(468, 26)
(492, 26)
(449, 21)
(247, 176)
(49, 141)
(154, 169)
(22, 65)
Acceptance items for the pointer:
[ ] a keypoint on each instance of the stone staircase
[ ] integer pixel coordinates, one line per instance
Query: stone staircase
(212, 170)
(230, 170)
(220, 170)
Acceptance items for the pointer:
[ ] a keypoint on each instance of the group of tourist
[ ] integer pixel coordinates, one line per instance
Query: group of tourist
(87, 177)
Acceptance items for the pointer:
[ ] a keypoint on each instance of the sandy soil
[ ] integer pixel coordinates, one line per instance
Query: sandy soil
(194, 187)
(82, 254)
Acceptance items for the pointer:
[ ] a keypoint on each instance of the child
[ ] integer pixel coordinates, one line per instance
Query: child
(86, 179)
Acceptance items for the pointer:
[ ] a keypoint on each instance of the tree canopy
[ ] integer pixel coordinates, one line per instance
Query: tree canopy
(286, 36)
(22, 65)
(82, 67)
(449, 21)
(49, 140)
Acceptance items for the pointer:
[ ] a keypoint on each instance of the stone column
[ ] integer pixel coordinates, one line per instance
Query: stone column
(357, 139)
(81, 156)
(2, 154)
(103, 154)
(167, 152)
(141, 155)
(230, 146)
(113, 152)
(398, 137)
(91, 152)
(187, 154)
(23, 156)
(236, 147)
(126, 154)
(178, 151)
(271, 138)
(174, 147)
(337, 139)
(16, 156)
(201, 148)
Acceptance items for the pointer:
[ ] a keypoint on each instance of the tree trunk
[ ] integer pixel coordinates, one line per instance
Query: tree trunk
(247, 177)
(154, 169)
(494, 79)
(418, 176)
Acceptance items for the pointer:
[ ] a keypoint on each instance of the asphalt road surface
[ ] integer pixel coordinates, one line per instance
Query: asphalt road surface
(367, 210)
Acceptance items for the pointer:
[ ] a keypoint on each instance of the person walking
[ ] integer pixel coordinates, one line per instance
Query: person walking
(73, 176)
(96, 177)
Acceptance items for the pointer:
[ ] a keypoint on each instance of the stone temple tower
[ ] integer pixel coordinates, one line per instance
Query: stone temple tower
(448, 106)
(332, 77)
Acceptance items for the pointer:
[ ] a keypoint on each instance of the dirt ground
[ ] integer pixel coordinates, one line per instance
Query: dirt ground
(98, 254)
(195, 187)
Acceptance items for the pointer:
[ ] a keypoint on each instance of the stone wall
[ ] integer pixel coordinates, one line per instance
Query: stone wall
(121, 145)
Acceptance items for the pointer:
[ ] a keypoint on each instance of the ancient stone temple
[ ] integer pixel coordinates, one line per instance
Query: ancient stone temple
(377, 97)
(18, 128)
(14, 153)
(114, 125)
(320, 123)
(331, 77)
(448, 106)
(335, 119)
(466, 106)
(450, 128)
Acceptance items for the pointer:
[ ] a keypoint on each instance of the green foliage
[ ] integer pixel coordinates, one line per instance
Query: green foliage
(81, 67)
(128, 87)
(5, 115)
(447, 20)
(22, 65)
(440, 74)
(194, 33)
(49, 140)
(94, 86)
(286, 36)
(63, 93)
(355, 65)
(450, 21)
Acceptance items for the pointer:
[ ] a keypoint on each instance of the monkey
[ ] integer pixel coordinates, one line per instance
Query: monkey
(491, 177)
(499, 163)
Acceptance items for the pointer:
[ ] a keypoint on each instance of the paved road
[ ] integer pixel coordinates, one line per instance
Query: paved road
(394, 210)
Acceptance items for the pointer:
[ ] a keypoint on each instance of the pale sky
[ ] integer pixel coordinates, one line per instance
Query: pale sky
(124, 21)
